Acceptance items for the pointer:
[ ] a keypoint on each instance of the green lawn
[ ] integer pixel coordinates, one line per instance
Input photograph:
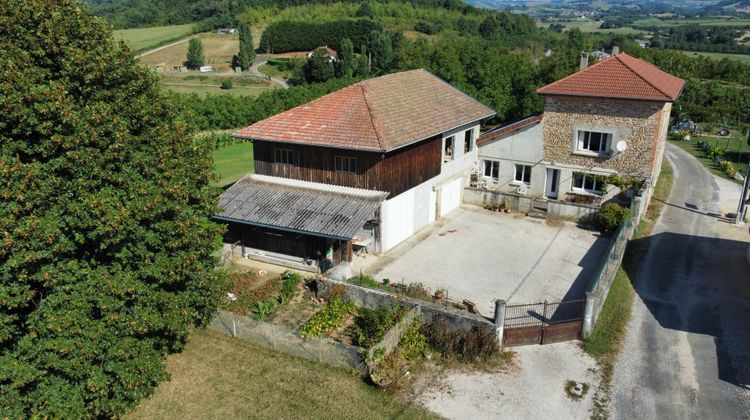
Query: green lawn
(141, 39)
(232, 162)
(217, 376)
(274, 71)
(203, 90)
(695, 150)
(744, 58)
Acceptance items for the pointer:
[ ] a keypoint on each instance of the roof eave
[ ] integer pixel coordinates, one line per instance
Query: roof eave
(628, 98)
(285, 229)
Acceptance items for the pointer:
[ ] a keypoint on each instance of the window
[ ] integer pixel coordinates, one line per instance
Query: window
(468, 141)
(588, 182)
(346, 164)
(523, 174)
(285, 156)
(492, 169)
(448, 152)
(595, 142)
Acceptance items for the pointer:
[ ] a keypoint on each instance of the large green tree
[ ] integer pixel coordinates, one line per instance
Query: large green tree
(319, 66)
(105, 244)
(380, 51)
(247, 52)
(345, 63)
(195, 57)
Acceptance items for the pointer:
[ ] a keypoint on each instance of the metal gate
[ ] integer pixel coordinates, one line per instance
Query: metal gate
(544, 322)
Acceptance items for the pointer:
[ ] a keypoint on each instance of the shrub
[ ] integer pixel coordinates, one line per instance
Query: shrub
(370, 325)
(412, 341)
(364, 280)
(386, 373)
(479, 343)
(226, 84)
(289, 282)
(418, 291)
(728, 167)
(611, 216)
(284, 36)
(328, 319)
(264, 308)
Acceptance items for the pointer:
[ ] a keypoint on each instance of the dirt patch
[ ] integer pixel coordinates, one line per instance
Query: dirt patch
(297, 311)
(218, 51)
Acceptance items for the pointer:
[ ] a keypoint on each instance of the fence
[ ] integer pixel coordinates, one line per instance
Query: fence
(543, 322)
(285, 340)
(555, 209)
(601, 281)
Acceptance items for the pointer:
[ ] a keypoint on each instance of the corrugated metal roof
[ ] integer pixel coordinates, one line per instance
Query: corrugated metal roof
(299, 206)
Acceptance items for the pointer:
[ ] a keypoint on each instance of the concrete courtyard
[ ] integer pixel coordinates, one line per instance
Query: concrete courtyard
(480, 255)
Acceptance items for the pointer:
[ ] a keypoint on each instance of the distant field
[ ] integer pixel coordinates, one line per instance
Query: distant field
(591, 26)
(203, 90)
(745, 58)
(708, 21)
(218, 50)
(142, 39)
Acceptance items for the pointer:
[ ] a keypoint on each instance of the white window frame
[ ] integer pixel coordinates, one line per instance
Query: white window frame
(583, 188)
(524, 172)
(494, 169)
(581, 135)
(452, 155)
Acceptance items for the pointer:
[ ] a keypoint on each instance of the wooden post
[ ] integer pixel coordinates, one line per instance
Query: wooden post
(349, 251)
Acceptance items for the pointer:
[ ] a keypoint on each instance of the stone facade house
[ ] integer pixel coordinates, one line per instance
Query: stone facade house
(609, 118)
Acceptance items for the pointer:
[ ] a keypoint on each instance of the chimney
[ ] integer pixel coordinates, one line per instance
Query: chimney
(615, 50)
(584, 60)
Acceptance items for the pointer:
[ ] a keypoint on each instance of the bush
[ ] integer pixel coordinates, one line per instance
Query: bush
(418, 291)
(728, 167)
(328, 319)
(386, 373)
(364, 280)
(226, 84)
(289, 282)
(479, 343)
(611, 216)
(412, 342)
(370, 325)
(264, 308)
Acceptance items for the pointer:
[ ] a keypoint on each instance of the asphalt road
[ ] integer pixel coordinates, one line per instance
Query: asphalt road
(687, 351)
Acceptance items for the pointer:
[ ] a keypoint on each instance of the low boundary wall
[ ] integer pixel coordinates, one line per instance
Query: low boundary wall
(521, 203)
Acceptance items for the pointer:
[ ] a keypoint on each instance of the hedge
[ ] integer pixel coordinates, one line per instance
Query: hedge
(285, 36)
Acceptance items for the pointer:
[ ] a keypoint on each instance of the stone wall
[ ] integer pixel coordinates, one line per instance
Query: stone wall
(637, 122)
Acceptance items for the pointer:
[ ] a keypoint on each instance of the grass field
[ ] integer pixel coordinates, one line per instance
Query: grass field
(205, 83)
(217, 376)
(142, 39)
(693, 148)
(707, 21)
(745, 58)
(591, 26)
(275, 71)
(232, 162)
(218, 50)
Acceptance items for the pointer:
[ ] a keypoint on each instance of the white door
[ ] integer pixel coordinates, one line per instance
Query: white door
(553, 183)
(450, 196)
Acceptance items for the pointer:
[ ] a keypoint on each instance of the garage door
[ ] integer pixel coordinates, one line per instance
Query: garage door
(450, 196)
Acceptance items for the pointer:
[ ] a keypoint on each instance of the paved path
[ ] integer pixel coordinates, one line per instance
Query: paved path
(255, 70)
(687, 351)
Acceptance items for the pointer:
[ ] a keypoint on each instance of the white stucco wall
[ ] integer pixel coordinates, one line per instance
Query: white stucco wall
(523, 147)
(404, 215)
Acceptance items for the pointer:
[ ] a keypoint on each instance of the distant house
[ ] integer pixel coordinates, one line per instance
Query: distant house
(644, 43)
(609, 118)
(599, 55)
(330, 52)
(206, 69)
(226, 31)
(366, 166)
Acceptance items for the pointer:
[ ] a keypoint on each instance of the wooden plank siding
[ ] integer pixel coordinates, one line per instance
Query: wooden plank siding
(396, 172)
(289, 243)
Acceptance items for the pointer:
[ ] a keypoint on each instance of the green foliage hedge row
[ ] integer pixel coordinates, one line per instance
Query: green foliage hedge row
(105, 242)
(284, 36)
(370, 325)
(328, 319)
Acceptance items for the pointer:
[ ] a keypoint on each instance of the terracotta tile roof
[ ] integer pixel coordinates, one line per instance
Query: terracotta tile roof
(620, 76)
(379, 114)
(500, 131)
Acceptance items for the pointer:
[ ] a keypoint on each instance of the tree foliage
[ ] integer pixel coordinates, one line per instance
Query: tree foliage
(380, 51)
(285, 36)
(105, 244)
(247, 52)
(195, 57)
(319, 67)
(345, 63)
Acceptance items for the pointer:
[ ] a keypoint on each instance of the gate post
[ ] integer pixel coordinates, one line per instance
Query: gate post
(588, 316)
(500, 320)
